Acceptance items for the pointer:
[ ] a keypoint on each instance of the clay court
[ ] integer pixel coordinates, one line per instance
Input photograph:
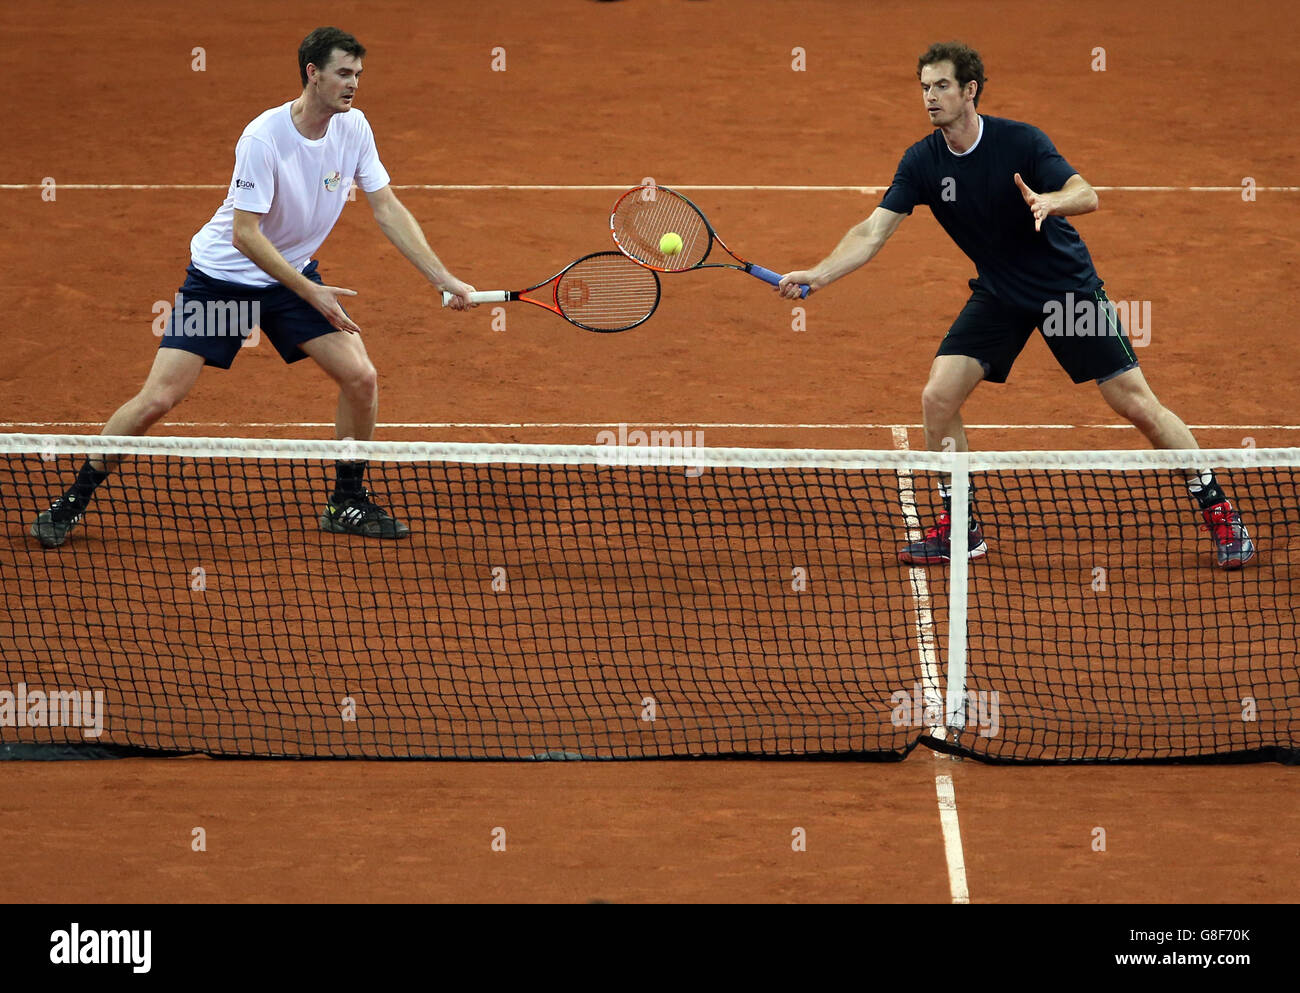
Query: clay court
(512, 174)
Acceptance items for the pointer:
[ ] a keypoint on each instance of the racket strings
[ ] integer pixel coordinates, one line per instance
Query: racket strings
(643, 217)
(607, 293)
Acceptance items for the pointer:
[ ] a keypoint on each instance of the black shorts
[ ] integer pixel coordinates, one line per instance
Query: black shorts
(214, 319)
(1081, 328)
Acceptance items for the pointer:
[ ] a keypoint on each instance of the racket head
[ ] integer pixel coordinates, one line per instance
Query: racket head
(604, 292)
(643, 215)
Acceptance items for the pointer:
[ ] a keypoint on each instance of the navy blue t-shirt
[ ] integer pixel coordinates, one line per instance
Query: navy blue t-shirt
(976, 200)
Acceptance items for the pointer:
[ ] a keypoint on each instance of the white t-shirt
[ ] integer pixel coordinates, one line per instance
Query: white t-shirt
(298, 185)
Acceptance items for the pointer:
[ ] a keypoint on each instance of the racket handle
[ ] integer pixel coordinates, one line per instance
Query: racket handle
(768, 276)
(482, 296)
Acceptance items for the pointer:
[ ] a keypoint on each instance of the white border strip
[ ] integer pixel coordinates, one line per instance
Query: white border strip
(1201, 458)
(654, 453)
(650, 454)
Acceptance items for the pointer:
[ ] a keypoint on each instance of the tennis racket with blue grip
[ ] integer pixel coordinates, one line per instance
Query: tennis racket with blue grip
(643, 215)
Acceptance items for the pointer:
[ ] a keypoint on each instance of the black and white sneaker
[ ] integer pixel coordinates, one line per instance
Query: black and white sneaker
(359, 515)
(52, 527)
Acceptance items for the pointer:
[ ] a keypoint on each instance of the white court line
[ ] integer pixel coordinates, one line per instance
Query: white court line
(928, 649)
(414, 425)
(580, 188)
(952, 839)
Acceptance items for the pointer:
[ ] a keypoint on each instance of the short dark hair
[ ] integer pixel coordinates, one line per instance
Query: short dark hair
(966, 63)
(318, 46)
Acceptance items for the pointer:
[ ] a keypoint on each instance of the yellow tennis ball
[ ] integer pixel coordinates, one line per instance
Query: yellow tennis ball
(671, 243)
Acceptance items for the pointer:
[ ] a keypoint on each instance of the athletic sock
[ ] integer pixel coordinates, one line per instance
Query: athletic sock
(84, 486)
(347, 484)
(945, 494)
(1206, 490)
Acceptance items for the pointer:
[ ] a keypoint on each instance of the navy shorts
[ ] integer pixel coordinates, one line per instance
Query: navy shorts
(211, 317)
(1081, 328)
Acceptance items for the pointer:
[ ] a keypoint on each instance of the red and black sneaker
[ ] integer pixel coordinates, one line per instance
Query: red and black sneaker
(936, 547)
(1231, 539)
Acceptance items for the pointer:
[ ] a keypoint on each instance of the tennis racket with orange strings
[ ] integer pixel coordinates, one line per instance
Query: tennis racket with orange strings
(599, 292)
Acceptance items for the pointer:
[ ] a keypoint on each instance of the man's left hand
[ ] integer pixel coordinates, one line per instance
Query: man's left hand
(1039, 203)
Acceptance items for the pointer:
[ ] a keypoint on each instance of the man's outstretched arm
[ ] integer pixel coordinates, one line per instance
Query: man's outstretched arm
(402, 229)
(855, 250)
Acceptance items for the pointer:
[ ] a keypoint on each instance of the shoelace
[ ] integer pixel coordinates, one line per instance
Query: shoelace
(942, 527)
(368, 509)
(64, 512)
(1221, 522)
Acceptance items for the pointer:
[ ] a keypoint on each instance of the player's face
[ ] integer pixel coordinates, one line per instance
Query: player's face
(336, 84)
(945, 103)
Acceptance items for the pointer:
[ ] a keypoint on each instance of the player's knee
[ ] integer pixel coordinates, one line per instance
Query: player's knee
(362, 382)
(938, 404)
(157, 401)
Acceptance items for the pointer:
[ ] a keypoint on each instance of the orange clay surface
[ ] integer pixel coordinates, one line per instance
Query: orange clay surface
(689, 93)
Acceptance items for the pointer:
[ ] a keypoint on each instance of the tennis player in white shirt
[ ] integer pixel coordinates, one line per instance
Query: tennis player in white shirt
(293, 168)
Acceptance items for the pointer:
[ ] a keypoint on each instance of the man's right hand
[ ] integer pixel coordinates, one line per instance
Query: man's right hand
(792, 283)
(325, 299)
(460, 293)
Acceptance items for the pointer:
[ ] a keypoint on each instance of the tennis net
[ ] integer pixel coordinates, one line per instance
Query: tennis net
(640, 601)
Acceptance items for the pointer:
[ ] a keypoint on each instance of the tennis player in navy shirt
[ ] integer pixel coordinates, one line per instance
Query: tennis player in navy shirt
(1002, 192)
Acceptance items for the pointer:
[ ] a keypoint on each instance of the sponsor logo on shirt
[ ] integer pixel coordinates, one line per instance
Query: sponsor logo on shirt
(244, 184)
(332, 181)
